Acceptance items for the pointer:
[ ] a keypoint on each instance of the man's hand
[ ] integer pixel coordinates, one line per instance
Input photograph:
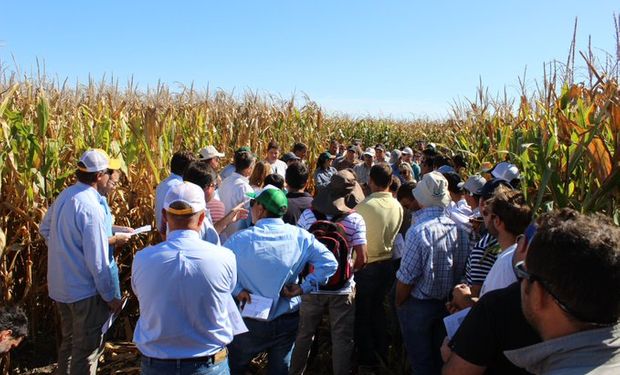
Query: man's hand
(446, 352)
(244, 297)
(291, 290)
(121, 239)
(238, 213)
(461, 297)
(122, 229)
(115, 305)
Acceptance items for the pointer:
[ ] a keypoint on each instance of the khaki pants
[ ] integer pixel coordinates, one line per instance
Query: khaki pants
(342, 322)
(81, 324)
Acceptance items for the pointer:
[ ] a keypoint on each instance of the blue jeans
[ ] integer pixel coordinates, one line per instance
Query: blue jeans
(276, 337)
(421, 323)
(152, 366)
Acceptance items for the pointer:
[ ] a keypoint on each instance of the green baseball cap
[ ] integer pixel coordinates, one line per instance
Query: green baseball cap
(272, 198)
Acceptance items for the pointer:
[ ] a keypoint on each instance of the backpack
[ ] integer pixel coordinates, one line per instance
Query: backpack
(332, 235)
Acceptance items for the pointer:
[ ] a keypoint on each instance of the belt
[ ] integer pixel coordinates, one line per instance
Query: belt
(213, 358)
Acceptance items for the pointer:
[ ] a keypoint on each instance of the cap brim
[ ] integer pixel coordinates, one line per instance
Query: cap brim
(251, 195)
(114, 164)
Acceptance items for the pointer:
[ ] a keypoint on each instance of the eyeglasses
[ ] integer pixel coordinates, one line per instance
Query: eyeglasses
(522, 274)
(252, 202)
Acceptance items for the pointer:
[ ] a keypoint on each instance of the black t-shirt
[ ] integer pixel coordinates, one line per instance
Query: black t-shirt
(297, 203)
(496, 323)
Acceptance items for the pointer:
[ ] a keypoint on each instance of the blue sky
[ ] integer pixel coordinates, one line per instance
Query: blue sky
(404, 59)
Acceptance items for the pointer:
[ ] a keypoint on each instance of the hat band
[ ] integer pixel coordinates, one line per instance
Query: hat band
(185, 211)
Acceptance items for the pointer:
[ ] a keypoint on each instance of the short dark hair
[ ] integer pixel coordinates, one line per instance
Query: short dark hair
(273, 144)
(406, 190)
(440, 160)
(511, 208)
(180, 160)
(395, 184)
(578, 256)
(381, 175)
(296, 175)
(243, 160)
(13, 318)
(299, 147)
(429, 161)
(86, 177)
(200, 173)
(275, 179)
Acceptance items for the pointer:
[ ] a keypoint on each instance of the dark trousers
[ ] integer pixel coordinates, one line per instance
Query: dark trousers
(371, 334)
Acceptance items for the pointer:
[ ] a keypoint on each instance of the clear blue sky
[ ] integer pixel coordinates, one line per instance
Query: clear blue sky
(399, 58)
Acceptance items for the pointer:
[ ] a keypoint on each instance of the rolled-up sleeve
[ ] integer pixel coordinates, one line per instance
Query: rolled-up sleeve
(324, 263)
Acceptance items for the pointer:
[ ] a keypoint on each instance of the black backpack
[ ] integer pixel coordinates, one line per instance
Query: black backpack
(331, 234)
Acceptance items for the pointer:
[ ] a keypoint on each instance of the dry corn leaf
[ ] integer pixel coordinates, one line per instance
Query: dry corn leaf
(600, 158)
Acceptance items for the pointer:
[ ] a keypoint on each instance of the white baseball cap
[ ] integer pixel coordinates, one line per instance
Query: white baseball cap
(432, 190)
(505, 171)
(473, 184)
(188, 193)
(95, 160)
(210, 152)
(370, 151)
(407, 151)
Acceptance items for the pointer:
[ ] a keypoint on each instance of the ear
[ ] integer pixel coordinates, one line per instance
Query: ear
(201, 218)
(164, 219)
(5, 334)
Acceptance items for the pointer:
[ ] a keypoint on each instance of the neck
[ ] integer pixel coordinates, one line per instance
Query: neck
(291, 190)
(505, 239)
(376, 189)
(557, 325)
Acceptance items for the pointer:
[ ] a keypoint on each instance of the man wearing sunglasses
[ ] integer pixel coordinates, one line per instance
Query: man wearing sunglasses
(570, 292)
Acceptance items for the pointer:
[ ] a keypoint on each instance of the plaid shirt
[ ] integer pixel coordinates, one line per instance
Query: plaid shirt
(435, 254)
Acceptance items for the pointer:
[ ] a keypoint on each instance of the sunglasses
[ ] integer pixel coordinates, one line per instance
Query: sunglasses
(252, 202)
(522, 274)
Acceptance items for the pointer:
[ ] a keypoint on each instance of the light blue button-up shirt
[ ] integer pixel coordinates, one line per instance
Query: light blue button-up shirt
(184, 289)
(160, 194)
(272, 254)
(78, 263)
(108, 221)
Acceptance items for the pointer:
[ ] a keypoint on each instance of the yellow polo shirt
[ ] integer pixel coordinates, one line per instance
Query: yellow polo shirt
(383, 216)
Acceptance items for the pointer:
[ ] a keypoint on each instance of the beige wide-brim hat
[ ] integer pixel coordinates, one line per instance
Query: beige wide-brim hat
(432, 191)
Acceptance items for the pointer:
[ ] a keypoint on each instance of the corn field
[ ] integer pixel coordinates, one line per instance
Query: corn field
(564, 138)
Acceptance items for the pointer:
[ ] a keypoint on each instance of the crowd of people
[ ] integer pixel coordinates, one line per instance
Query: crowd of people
(254, 255)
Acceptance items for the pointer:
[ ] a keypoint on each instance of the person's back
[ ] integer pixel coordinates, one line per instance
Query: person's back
(234, 188)
(179, 162)
(199, 277)
(298, 199)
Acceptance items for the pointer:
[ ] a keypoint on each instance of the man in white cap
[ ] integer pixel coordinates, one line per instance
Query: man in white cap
(79, 275)
(212, 156)
(184, 285)
(433, 262)
(507, 172)
(362, 170)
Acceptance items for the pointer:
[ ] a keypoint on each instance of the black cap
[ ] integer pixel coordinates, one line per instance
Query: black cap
(488, 189)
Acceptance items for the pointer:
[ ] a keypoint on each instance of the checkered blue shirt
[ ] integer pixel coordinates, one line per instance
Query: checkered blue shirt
(435, 254)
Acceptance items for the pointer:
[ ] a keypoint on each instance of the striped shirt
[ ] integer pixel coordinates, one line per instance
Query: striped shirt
(355, 230)
(480, 262)
(216, 208)
(435, 254)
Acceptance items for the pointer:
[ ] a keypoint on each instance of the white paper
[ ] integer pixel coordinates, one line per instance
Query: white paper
(258, 309)
(146, 228)
(108, 324)
(453, 322)
(237, 322)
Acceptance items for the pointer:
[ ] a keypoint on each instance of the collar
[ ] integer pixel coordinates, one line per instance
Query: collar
(298, 194)
(182, 233)
(239, 176)
(381, 194)
(535, 357)
(269, 221)
(428, 213)
(175, 176)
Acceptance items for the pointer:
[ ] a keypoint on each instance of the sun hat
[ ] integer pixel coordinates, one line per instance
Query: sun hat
(272, 198)
(340, 196)
(370, 151)
(95, 160)
(407, 151)
(505, 171)
(289, 156)
(188, 193)
(432, 190)
(473, 184)
(210, 152)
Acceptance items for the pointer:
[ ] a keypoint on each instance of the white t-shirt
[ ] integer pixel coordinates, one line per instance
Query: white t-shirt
(278, 167)
(502, 273)
(354, 228)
